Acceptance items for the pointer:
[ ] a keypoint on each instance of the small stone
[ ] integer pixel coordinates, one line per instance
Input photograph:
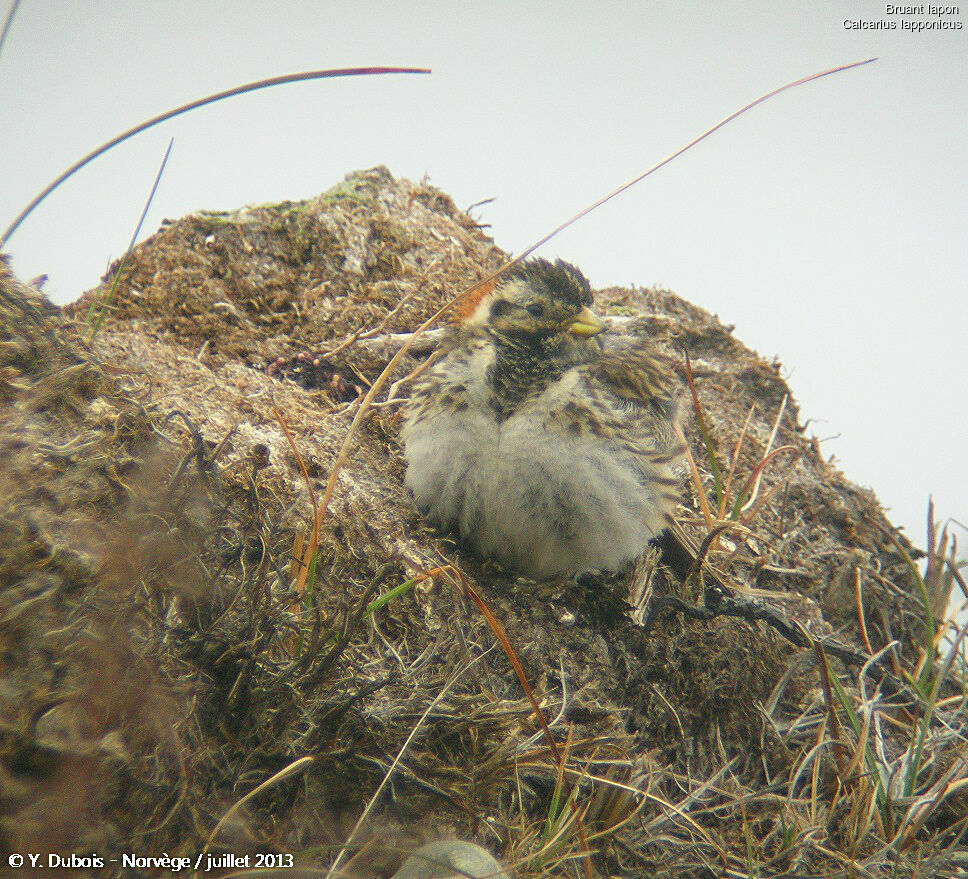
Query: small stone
(451, 859)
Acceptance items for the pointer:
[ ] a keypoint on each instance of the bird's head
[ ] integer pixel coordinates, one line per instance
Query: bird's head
(535, 300)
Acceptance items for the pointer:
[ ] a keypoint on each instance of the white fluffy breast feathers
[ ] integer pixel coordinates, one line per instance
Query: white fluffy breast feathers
(536, 444)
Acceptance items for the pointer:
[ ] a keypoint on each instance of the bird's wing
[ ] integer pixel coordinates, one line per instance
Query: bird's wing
(639, 377)
(642, 386)
(626, 396)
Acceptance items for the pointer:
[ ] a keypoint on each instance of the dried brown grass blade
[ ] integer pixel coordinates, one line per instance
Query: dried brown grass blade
(391, 366)
(281, 775)
(758, 471)
(512, 656)
(733, 461)
(722, 123)
(193, 105)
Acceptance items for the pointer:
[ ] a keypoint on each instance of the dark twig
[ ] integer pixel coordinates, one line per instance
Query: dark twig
(719, 600)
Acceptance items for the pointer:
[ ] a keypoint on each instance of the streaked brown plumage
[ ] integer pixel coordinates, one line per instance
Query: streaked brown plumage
(540, 439)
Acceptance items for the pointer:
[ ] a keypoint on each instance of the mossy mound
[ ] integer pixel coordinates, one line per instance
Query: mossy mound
(162, 659)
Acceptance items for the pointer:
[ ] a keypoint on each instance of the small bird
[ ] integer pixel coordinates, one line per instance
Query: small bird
(537, 438)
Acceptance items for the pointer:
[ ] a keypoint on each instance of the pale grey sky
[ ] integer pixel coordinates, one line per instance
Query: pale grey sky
(829, 225)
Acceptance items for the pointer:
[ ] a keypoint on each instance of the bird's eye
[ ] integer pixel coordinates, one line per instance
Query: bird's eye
(536, 309)
(500, 308)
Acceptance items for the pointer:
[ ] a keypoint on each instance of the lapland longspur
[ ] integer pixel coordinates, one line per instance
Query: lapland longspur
(540, 439)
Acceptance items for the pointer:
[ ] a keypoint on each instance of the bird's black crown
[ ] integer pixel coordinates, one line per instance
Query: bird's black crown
(561, 279)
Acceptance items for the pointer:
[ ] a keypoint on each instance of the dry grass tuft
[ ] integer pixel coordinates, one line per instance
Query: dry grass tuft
(169, 661)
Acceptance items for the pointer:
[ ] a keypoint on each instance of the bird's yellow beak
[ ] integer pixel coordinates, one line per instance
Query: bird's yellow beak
(585, 323)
